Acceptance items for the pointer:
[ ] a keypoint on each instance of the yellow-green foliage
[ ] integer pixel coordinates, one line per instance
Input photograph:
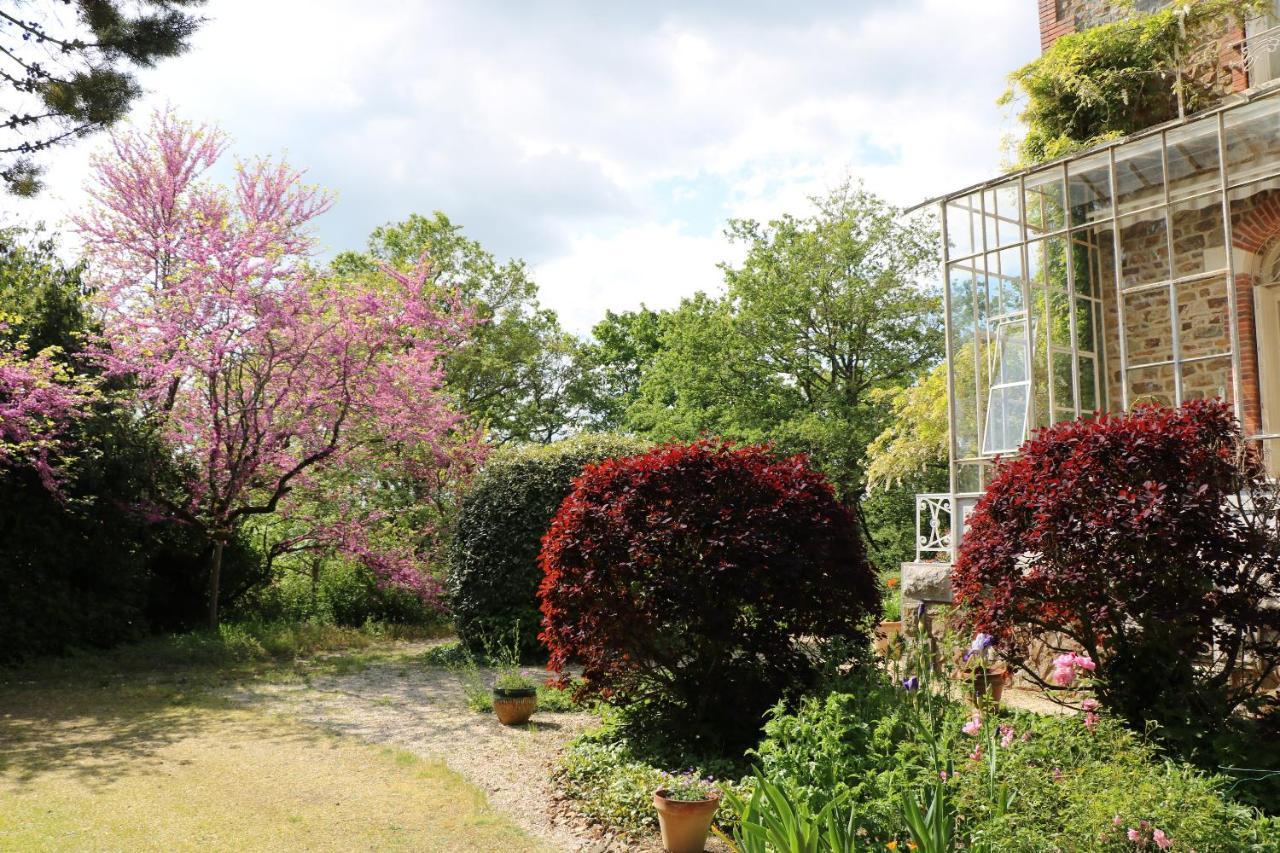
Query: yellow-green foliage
(917, 437)
(1119, 78)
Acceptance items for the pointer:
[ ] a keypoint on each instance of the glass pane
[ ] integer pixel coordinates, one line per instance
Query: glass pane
(1144, 249)
(989, 221)
(1193, 159)
(961, 238)
(1151, 385)
(1093, 264)
(1252, 139)
(1010, 358)
(1009, 213)
(1198, 236)
(1089, 189)
(962, 280)
(1064, 396)
(1084, 326)
(1045, 201)
(968, 478)
(1148, 333)
(1006, 419)
(1088, 385)
(1139, 174)
(1203, 318)
(1207, 379)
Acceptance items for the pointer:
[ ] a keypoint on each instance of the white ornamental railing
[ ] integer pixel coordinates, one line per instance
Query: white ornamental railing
(933, 527)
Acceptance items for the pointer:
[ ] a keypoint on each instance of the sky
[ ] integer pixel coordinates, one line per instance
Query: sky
(604, 143)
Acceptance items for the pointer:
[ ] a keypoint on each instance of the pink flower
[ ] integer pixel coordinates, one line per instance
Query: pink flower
(1134, 835)
(1163, 841)
(1090, 720)
(974, 725)
(1090, 705)
(942, 774)
(1006, 736)
(1117, 821)
(1084, 662)
(1063, 676)
(976, 755)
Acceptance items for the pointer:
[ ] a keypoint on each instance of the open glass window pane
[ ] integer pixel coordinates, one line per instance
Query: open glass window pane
(1006, 419)
(1006, 424)
(963, 282)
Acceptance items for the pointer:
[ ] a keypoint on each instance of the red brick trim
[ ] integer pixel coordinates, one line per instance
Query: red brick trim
(1051, 27)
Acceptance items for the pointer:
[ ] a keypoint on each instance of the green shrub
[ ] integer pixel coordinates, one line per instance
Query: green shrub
(493, 571)
(343, 593)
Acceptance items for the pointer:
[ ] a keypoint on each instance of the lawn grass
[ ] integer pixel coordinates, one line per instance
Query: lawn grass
(131, 758)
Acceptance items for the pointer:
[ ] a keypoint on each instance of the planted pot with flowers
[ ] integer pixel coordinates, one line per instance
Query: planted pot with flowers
(890, 627)
(686, 803)
(980, 667)
(515, 697)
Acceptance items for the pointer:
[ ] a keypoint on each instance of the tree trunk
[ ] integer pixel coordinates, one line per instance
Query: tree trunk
(215, 571)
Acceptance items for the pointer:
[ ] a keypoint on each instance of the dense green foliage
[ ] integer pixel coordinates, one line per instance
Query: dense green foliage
(340, 592)
(493, 563)
(1121, 77)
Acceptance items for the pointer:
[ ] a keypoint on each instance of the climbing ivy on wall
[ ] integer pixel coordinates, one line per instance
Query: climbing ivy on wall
(1118, 78)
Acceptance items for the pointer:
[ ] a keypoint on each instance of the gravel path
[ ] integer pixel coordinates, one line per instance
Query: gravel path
(397, 700)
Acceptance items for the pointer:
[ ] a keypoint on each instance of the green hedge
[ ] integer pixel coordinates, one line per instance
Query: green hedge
(493, 567)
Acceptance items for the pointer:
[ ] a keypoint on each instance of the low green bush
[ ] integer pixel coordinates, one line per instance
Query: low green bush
(342, 593)
(493, 566)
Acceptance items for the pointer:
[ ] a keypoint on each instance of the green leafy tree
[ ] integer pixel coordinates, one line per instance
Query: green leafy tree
(611, 365)
(65, 69)
(515, 375)
(825, 311)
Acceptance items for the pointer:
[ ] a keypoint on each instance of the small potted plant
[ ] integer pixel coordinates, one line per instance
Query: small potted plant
(890, 618)
(515, 697)
(686, 803)
(987, 676)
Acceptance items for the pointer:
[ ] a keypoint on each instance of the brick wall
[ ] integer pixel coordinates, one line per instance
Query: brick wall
(1059, 17)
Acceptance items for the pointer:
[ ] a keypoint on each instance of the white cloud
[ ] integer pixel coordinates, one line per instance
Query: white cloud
(605, 143)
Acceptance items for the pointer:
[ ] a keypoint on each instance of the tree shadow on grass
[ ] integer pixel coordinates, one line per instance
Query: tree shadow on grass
(98, 734)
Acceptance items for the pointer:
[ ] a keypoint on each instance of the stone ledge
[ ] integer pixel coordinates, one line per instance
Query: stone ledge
(928, 582)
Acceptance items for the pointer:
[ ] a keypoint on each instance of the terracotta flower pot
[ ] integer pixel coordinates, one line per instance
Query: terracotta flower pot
(989, 684)
(684, 823)
(885, 635)
(515, 706)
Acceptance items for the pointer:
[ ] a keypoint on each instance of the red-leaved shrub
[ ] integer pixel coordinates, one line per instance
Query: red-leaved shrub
(700, 579)
(1145, 539)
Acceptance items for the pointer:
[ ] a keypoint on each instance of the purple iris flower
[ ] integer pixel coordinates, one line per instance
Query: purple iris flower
(980, 644)
(911, 683)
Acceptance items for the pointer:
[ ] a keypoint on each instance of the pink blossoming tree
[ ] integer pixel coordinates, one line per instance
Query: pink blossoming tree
(39, 397)
(257, 370)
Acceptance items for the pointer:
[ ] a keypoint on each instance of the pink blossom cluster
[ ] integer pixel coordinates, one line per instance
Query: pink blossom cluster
(1066, 668)
(39, 398)
(1144, 834)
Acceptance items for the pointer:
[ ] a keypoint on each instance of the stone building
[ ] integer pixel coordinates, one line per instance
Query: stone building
(1144, 269)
